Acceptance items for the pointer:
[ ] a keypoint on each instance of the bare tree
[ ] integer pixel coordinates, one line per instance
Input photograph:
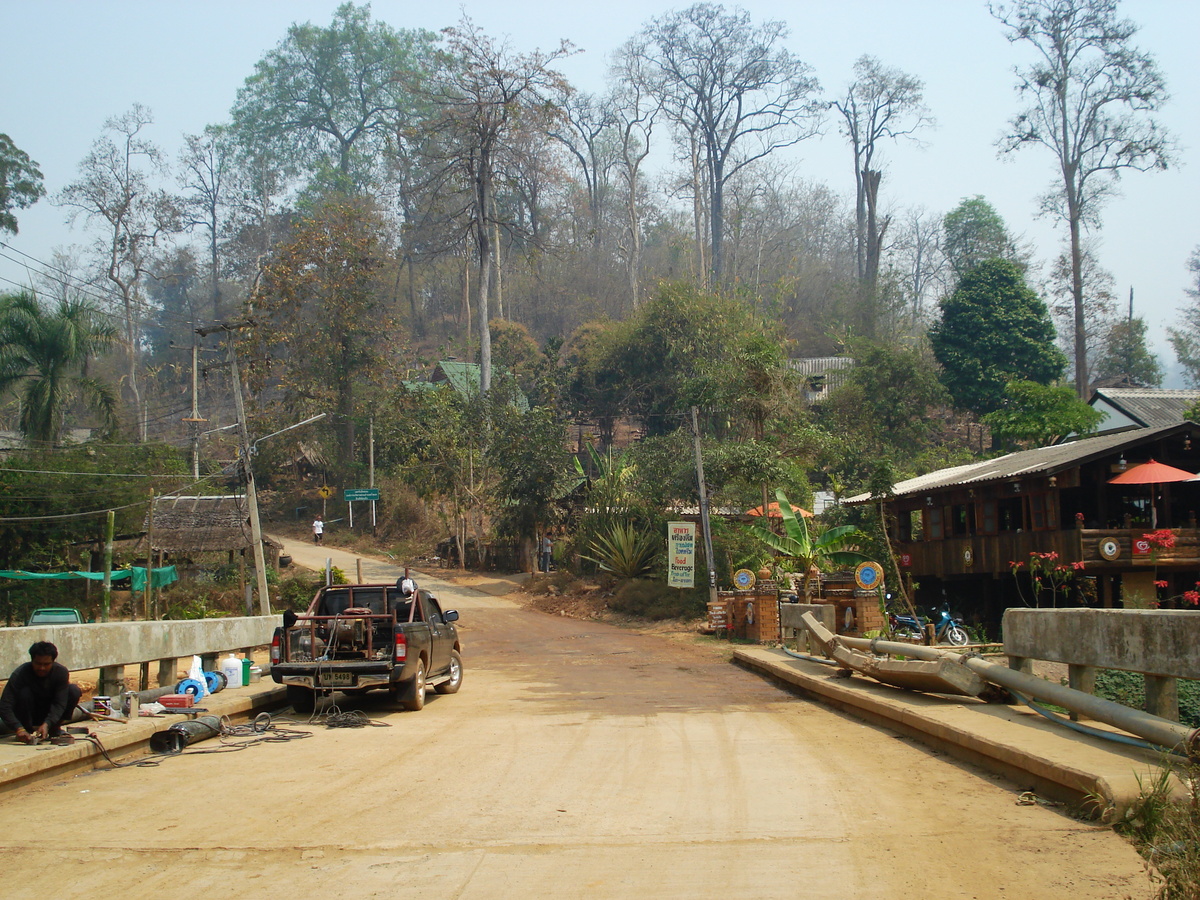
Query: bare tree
(486, 94)
(585, 124)
(115, 191)
(1099, 301)
(881, 103)
(634, 112)
(732, 92)
(205, 165)
(1090, 94)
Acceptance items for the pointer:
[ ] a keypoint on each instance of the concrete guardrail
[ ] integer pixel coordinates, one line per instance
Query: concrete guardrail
(111, 646)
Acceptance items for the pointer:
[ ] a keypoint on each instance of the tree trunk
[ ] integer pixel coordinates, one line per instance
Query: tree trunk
(1081, 363)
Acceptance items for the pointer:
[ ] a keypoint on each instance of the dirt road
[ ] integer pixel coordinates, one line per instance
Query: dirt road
(579, 760)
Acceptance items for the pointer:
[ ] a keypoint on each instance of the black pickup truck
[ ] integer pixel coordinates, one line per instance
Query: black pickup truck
(360, 637)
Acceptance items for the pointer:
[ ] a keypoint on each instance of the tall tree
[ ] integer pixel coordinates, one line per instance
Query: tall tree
(205, 167)
(20, 183)
(994, 329)
(44, 356)
(486, 95)
(331, 100)
(1185, 336)
(1099, 304)
(733, 93)
(1091, 94)
(881, 103)
(634, 114)
(324, 312)
(972, 232)
(116, 191)
(1125, 352)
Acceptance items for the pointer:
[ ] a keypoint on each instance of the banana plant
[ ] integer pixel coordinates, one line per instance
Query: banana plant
(808, 548)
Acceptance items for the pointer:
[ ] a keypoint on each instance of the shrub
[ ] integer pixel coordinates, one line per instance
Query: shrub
(625, 551)
(655, 601)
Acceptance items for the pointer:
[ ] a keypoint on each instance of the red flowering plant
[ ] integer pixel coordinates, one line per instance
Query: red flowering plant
(1186, 599)
(1046, 574)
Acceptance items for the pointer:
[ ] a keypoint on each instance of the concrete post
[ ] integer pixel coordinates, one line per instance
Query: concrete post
(1081, 678)
(112, 681)
(1162, 697)
(1021, 664)
(168, 672)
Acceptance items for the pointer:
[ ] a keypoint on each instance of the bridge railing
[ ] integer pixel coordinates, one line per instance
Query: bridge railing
(111, 646)
(1163, 645)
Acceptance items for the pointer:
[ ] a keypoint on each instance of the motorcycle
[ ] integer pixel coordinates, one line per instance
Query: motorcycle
(947, 628)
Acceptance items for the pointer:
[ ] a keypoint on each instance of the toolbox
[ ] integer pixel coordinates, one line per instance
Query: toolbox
(176, 701)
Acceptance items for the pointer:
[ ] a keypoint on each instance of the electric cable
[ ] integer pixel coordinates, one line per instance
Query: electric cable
(1094, 732)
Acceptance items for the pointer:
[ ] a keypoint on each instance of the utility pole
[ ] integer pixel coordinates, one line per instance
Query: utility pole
(106, 591)
(704, 527)
(371, 468)
(194, 421)
(260, 567)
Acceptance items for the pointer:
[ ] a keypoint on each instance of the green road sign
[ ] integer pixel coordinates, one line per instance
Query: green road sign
(352, 494)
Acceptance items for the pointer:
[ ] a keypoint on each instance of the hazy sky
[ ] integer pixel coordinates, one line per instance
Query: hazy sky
(67, 66)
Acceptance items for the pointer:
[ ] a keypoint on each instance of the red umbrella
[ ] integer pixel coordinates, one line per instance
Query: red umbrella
(774, 513)
(1152, 473)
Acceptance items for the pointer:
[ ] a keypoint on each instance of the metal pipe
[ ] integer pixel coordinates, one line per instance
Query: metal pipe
(1164, 732)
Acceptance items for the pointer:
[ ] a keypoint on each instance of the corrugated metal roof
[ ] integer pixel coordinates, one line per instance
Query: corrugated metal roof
(1041, 461)
(1152, 407)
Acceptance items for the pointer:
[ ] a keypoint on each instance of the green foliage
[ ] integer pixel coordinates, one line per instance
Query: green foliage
(329, 100)
(530, 464)
(994, 329)
(296, 593)
(689, 348)
(1129, 689)
(1126, 353)
(625, 550)
(20, 183)
(655, 601)
(1185, 337)
(44, 356)
(324, 315)
(30, 487)
(882, 410)
(1033, 414)
(804, 547)
(973, 232)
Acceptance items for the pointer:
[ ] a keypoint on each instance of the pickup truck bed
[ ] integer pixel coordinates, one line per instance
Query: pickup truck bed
(356, 638)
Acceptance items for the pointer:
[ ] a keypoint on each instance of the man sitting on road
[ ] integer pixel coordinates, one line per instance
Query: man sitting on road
(39, 697)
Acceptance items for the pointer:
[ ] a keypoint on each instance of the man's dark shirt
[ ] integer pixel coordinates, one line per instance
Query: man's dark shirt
(28, 701)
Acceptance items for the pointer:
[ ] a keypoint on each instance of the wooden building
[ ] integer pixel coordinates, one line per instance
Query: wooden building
(959, 533)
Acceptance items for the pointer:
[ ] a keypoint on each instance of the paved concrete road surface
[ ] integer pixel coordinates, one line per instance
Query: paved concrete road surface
(579, 760)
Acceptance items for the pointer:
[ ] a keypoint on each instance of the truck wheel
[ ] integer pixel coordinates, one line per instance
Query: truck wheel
(412, 697)
(302, 700)
(456, 675)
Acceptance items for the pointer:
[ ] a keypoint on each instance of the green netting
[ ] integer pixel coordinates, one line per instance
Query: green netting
(136, 575)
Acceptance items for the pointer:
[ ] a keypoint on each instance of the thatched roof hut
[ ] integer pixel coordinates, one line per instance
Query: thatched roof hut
(196, 524)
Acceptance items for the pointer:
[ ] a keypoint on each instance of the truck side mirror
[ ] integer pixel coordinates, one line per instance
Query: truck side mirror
(450, 615)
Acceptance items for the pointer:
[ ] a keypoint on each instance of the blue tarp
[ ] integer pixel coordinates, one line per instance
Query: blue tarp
(136, 575)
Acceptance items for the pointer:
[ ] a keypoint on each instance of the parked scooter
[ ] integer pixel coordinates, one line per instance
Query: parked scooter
(948, 629)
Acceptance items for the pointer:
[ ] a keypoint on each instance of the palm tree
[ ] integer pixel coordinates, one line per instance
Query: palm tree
(810, 549)
(44, 357)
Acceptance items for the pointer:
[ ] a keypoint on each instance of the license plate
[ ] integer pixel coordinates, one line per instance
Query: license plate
(335, 679)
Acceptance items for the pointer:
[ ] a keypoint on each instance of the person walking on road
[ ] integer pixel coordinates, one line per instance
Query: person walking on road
(547, 547)
(318, 530)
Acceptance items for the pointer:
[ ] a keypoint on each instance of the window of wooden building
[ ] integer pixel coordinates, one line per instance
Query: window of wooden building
(935, 525)
(987, 521)
(1039, 512)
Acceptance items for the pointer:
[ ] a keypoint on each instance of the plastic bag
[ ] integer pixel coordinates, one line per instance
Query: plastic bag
(196, 673)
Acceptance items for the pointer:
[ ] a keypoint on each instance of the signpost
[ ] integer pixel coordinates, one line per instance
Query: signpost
(352, 494)
(681, 547)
